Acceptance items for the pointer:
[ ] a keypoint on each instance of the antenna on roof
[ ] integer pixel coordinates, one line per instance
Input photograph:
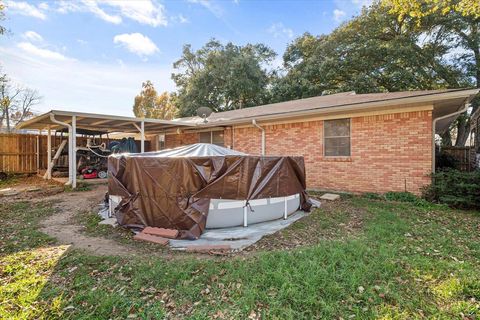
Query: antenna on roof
(204, 112)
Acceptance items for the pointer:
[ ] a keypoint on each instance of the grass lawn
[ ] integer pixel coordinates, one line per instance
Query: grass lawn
(359, 258)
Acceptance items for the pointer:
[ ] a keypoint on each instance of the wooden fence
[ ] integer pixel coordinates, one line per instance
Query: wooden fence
(18, 153)
(465, 156)
(27, 153)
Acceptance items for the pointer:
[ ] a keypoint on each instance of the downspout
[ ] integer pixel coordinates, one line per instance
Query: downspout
(70, 146)
(465, 108)
(254, 123)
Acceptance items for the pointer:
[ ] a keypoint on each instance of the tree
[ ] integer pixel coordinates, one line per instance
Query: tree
(16, 103)
(421, 9)
(460, 21)
(2, 18)
(373, 52)
(222, 77)
(148, 104)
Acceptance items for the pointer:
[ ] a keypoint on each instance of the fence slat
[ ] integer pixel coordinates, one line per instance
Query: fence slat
(465, 156)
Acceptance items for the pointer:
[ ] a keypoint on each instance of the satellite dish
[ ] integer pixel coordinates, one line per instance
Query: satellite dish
(204, 112)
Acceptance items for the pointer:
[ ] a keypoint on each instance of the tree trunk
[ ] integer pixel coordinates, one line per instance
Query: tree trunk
(463, 126)
(446, 139)
(7, 117)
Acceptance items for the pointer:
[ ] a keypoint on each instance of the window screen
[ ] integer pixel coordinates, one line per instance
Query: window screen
(206, 137)
(215, 137)
(337, 138)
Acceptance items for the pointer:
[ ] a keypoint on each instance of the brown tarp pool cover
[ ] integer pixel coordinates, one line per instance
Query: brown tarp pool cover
(172, 189)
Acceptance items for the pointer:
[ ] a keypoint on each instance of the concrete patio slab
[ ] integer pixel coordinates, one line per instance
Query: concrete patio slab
(330, 197)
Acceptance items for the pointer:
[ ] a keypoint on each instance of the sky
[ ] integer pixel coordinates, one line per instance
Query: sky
(93, 55)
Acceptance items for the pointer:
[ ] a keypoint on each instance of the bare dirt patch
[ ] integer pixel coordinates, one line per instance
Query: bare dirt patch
(29, 187)
(61, 224)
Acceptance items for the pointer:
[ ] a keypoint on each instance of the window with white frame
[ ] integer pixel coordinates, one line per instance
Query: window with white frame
(336, 138)
(161, 142)
(214, 137)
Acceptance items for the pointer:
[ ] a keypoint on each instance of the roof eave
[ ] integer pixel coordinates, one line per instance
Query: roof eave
(356, 107)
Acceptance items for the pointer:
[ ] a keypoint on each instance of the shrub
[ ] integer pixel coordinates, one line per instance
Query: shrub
(372, 196)
(455, 188)
(445, 161)
(406, 197)
(401, 196)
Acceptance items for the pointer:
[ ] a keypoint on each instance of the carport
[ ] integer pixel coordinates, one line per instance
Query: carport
(56, 120)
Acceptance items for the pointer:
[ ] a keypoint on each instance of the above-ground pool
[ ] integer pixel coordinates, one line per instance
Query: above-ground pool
(224, 213)
(233, 213)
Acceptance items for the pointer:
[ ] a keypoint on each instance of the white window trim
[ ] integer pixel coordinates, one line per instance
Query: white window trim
(349, 138)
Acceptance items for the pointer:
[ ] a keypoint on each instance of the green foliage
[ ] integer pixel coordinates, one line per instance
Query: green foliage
(444, 160)
(373, 196)
(406, 197)
(10, 180)
(455, 26)
(81, 186)
(419, 9)
(27, 259)
(2, 18)
(455, 188)
(387, 49)
(373, 52)
(401, 196)
(19, 226)
(222, 77)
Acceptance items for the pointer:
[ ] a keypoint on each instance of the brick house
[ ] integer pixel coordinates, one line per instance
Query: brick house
(375, 142)
(351, 142)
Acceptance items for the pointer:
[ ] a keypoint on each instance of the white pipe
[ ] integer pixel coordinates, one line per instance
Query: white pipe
(38, 150)
(285, 215)
(49, 153)
(245, 215)
(141, 129)
(52, 118)
(74, 152)
(142, 137)
(467, 105)
(254, 123)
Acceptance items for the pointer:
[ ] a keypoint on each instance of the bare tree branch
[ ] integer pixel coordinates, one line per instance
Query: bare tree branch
(15, 102)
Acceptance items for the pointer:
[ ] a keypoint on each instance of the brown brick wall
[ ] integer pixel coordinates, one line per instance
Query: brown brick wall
(182, 139)
(388, 152)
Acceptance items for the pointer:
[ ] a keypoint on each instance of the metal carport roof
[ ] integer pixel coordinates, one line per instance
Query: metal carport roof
(71, 121)
(99, 122)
